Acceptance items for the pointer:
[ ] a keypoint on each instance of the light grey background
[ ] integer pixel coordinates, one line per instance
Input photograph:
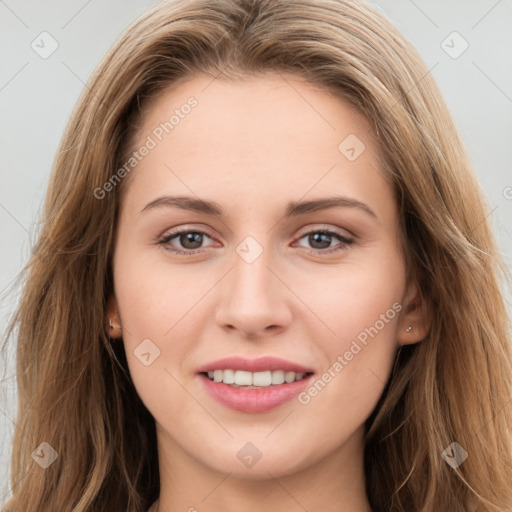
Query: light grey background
(37, 96)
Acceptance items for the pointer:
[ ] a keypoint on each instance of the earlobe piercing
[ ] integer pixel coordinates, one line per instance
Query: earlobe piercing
(409, 329)
(112, 326)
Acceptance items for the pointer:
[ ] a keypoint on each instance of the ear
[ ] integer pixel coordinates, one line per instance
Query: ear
(112, 320)
(416, 314)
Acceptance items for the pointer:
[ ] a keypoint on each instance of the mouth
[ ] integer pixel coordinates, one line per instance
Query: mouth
(254, 385)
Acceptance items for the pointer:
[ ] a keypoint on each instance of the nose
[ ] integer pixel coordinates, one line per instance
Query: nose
(255, 300)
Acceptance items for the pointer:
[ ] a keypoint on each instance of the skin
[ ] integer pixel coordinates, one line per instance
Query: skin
(252, 145)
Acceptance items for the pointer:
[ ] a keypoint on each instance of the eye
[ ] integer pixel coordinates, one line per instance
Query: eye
(321, 241)
(189, 239)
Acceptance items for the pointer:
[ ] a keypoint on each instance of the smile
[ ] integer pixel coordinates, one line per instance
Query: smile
(252, 399)
(254, 380)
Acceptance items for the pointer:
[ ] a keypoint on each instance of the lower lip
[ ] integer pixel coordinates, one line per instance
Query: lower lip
(254, 400)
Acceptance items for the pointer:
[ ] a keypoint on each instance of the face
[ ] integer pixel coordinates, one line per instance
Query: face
(263, 268)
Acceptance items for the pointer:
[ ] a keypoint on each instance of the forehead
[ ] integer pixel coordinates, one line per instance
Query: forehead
(256, 136)
(264, 103)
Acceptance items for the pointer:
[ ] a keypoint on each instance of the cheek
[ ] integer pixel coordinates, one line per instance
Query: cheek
(358, 362)
(355, 297)
(359, 306)
(149, 306)
(152, 295)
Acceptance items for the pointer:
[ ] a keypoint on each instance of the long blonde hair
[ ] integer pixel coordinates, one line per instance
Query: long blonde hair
(74, 388)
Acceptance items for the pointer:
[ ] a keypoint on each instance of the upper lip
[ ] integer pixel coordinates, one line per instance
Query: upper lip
(254, 365)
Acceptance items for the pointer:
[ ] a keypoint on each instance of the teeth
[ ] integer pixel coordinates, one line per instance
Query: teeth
(289, 377)
(278, 377)
(228, 376)
(261, 379)
(266, 379)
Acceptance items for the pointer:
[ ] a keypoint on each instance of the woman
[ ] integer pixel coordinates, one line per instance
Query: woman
(254, 367)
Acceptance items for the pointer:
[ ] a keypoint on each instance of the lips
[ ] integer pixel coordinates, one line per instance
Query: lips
(254, 365)
(250, 399)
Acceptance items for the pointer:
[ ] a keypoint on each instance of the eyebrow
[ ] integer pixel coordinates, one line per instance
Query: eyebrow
(293, 208)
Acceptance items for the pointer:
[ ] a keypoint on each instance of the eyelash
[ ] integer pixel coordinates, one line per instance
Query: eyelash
(345, 242)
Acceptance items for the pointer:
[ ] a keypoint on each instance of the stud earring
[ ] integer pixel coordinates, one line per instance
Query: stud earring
(409, 329)
(112, 326)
